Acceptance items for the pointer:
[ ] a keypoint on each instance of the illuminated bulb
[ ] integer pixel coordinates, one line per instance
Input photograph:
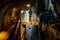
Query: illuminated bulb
(27, 11)
(28, 5)
(22, 11)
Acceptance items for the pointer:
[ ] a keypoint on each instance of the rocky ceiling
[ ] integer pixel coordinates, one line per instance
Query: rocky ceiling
(5, 5)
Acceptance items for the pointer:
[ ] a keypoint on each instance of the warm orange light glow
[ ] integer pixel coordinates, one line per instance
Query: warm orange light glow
(30, 23)
(28, 5)
(4, 35)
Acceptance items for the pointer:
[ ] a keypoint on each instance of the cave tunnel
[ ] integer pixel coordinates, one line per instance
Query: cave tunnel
(29, 19)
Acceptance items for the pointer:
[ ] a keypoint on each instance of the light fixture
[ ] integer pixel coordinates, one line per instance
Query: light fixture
(28, 5)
